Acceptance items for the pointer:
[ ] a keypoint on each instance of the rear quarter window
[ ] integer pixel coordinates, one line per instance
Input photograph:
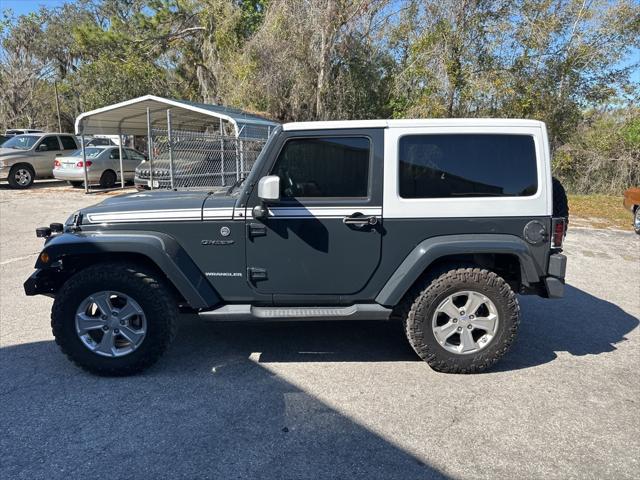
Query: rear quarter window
(68, 143)
(467, 165)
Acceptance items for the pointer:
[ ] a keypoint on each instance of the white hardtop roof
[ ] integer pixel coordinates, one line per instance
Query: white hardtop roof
(409, 123)
(130, 117)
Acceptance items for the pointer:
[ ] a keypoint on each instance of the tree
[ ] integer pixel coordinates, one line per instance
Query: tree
(304, 53)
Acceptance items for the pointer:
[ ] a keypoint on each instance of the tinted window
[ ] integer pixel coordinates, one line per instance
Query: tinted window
(90, 152)
(132, 154)
(51, 143)
(68, 143)
(471, 165)
(324, 167)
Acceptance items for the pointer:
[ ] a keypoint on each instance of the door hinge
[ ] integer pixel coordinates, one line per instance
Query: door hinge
(256, 230)
(256, 274)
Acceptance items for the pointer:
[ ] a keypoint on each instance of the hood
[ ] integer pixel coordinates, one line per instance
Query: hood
(5, 152)
(163, 163)
(155, 206)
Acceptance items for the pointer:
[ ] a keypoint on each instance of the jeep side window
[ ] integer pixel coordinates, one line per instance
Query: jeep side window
(324, 167)
(467, 165)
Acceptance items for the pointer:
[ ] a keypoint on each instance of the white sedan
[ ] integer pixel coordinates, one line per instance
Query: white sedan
(103, 166)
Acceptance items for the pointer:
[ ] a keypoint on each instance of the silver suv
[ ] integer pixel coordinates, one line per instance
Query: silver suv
(25, 158)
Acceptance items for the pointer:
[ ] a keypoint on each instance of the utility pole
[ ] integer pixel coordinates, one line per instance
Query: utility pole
(55, 86)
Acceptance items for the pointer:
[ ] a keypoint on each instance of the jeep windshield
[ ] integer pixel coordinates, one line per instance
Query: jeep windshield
(21, 142)
(236, 187)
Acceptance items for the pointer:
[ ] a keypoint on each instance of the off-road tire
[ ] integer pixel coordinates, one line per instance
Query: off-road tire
(13, 183)
(560, 201)
(143, 285)
(419, 317)
(108, 179)
(75, 184)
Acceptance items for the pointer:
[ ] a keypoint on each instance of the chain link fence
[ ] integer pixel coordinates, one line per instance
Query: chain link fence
(192, 160)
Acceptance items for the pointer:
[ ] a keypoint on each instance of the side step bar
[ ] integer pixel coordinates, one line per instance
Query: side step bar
(249, 312)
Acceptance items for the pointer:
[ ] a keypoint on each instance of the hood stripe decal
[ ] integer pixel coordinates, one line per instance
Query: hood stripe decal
(165, 215)
(196, 214)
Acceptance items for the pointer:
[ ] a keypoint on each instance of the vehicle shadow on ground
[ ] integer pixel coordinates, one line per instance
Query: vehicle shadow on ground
(212, 408)
(209, 409)
(37, 185)
(579, 324)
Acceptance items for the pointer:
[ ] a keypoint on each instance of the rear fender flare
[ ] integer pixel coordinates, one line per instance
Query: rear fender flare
(430, 250)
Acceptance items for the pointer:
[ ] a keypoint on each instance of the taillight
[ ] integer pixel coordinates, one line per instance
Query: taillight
(56, 164)
(80, 164)
(559, 228)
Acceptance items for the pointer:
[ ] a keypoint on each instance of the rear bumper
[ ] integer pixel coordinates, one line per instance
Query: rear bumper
(554, 281)
(73, 175)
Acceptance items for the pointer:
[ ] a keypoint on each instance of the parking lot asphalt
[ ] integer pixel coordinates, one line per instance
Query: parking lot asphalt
(326, 400)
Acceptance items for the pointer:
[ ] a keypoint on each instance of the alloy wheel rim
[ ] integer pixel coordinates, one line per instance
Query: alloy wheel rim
(636, 222)
(23, 176)
(465, 322)
(110, 324)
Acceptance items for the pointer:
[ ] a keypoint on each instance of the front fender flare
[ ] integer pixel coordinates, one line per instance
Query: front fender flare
(162, 249)
(430, 250)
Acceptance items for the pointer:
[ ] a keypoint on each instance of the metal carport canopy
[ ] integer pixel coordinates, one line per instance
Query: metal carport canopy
(130, 117)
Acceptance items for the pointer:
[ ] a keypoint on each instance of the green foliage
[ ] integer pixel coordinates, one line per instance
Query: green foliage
(603, 154)
(108, 80)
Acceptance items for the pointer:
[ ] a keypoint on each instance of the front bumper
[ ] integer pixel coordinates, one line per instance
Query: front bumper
(4, 172)
(41, 282)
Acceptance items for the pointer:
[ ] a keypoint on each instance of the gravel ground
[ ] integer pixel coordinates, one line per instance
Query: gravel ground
(326, 400)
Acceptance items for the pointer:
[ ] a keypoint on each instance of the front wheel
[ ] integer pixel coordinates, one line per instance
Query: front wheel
(114, 319)
(463, 321)
(636, 220)
(21, 175)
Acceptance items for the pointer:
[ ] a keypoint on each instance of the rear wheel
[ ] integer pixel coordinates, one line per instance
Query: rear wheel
(114, 319)
(21, 175)
(463, 321)
(636, 220)
(108, 179)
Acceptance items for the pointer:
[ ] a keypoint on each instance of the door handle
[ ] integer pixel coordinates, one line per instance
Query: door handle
(359, 220)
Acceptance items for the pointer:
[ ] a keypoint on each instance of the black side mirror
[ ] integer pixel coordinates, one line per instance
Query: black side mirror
(260, 212)
(42, 148)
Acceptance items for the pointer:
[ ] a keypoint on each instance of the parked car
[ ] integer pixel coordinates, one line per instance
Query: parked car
(632, 203)
(437, 223)
(103, 166)
(197, 163)
(12, 132)
(24, 158)
(99, 141)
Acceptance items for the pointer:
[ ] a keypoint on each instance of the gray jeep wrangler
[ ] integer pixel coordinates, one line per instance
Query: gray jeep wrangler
(437, 223)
